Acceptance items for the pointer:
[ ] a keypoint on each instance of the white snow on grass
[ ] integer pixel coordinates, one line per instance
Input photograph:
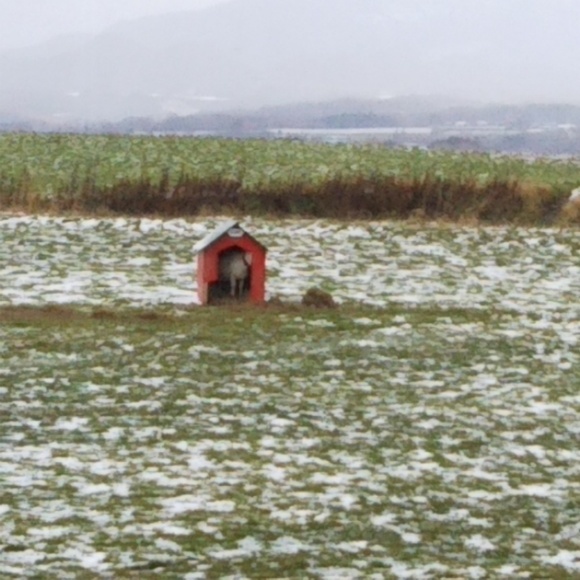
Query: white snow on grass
(150, 261)
(434, 437)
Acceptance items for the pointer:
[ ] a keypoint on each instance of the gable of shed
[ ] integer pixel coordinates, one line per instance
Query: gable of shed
(215, 236)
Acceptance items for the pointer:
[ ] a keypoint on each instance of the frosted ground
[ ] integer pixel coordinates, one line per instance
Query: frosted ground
(437, 435)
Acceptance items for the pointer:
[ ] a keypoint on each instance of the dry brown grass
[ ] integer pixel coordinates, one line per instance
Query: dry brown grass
(36, 315)
(383, 197)
(56, 315)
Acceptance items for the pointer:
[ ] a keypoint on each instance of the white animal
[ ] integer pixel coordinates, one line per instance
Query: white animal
(235, 267)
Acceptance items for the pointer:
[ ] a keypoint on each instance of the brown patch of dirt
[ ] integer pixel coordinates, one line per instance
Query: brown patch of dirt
(318, 298)
(28, 314)
(102, 314)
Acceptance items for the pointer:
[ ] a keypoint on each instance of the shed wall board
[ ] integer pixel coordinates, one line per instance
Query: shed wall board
(208, 263)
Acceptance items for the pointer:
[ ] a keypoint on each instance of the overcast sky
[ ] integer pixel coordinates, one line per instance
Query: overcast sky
(28, 22)
(265, 52)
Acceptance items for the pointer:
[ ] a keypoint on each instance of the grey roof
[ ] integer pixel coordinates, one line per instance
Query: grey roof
(215, 235)
(218, 233)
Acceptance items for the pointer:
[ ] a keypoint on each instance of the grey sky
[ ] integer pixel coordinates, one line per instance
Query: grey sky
(28, 22)
(252, 53)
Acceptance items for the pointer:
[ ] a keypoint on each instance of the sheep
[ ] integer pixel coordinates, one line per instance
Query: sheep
(234, 268)
(571, 209)
(575, 195)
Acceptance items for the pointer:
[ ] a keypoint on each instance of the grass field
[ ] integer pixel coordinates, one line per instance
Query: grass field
(186, 176)
(426, 428)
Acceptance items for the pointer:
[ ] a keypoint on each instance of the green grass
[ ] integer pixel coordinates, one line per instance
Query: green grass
(187, 176)
(205, 402)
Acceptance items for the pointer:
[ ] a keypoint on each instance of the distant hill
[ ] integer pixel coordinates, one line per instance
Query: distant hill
(403, 112)
(252, 53)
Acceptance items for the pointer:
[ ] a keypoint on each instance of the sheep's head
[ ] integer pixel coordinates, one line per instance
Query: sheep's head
(570, 212)
(575, 195)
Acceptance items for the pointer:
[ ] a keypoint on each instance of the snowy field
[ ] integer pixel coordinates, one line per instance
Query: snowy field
(149, 262)
(435, 436)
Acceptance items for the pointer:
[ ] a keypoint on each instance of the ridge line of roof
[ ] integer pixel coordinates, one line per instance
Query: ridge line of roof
(220, 231)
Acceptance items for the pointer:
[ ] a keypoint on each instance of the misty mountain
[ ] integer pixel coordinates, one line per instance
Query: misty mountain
(251, 53)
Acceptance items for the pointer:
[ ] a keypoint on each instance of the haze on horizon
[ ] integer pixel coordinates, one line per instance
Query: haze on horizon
(193, 54)
(26, 23)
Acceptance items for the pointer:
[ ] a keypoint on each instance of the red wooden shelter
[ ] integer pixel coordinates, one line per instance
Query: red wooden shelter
(229, 238)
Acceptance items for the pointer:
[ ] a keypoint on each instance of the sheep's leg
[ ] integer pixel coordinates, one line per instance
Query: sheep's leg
(233, 283)
(241, 283)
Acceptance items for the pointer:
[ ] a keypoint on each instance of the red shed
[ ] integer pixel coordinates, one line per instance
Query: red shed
(231, 265)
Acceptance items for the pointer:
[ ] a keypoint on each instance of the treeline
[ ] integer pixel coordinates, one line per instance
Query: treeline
(527, 129)
(548, 142)
(355, 114)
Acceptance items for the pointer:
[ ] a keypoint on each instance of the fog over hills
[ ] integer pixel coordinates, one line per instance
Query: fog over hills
(253, 53)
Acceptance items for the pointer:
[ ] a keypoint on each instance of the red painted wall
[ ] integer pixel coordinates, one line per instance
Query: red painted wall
(208, 264)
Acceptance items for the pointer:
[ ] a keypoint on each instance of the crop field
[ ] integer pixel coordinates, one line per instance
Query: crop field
(53, 162)
(185, 176)
(428, 427)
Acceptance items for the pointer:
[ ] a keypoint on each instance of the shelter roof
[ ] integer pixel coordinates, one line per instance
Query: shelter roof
(221, 231)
